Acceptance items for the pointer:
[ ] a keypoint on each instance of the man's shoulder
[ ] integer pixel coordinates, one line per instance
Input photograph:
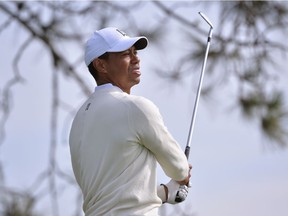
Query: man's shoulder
(140, 101)
(141, 104)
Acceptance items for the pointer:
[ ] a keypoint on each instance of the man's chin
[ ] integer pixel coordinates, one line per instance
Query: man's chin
(136, 81)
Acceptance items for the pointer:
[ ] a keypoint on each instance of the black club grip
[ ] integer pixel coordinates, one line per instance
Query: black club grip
(187, 151)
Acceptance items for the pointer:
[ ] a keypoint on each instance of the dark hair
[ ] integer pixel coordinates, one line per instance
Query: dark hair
(93, 70)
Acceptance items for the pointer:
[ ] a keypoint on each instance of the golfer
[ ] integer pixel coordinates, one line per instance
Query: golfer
(117, 139)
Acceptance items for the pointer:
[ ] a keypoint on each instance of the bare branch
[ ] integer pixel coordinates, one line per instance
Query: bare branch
(6, 98)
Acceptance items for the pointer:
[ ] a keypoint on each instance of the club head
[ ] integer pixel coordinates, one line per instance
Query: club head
(206, 19)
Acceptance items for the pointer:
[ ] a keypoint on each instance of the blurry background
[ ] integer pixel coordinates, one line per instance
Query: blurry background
(239, 146)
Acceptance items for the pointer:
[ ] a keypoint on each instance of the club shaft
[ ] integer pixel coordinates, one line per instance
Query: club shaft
(187, 149)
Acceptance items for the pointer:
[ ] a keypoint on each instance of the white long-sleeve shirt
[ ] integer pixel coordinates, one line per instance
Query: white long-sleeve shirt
(116, 140)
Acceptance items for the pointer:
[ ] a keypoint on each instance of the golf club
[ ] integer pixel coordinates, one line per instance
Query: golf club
(187, 149)
(180, 196)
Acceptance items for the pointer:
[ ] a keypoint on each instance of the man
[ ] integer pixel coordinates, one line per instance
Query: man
(117, 139)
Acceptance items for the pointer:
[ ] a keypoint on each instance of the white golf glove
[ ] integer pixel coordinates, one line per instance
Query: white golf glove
(176, 193)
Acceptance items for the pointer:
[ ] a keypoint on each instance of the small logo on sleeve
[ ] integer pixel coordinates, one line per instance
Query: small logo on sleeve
(87, 107)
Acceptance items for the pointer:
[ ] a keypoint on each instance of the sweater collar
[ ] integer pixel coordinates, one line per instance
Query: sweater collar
(107, 86)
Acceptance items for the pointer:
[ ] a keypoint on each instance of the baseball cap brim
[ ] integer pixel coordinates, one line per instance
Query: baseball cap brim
(125, 43)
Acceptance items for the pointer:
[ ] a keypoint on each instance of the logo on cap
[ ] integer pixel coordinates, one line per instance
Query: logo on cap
(121, 32)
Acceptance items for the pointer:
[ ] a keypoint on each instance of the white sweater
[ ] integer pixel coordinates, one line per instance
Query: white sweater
(116, 140)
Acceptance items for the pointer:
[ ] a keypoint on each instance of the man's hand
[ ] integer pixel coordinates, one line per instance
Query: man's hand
(181, 194)
(175, 193)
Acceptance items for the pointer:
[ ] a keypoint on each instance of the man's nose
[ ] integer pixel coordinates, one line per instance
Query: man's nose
(135, 58)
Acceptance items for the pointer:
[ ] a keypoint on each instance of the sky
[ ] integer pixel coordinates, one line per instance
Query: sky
(235, 171)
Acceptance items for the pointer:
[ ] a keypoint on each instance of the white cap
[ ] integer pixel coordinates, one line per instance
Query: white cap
(111, 39)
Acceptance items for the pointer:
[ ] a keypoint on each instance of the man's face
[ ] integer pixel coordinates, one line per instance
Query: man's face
(123, 69)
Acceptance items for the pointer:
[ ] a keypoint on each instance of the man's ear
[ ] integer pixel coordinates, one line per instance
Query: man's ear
(99, 65)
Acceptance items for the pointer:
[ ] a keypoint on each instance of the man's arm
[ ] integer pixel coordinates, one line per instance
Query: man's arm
(154, 135)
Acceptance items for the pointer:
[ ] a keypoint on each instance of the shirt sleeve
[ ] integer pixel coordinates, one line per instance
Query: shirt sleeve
(154, 135)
